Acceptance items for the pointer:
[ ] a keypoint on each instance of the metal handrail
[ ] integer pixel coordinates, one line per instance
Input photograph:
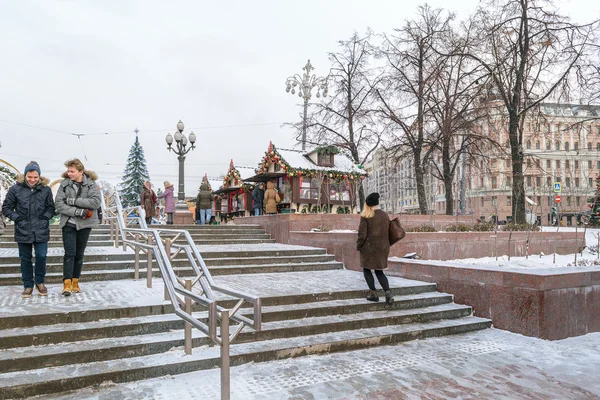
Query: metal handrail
(174, 286)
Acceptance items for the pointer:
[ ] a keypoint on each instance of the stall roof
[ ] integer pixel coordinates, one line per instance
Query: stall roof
(299, 159)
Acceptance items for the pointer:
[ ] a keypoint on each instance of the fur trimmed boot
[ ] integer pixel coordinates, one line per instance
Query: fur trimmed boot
(373, 296)
(389, 298)
(68, 287)
(76, 288)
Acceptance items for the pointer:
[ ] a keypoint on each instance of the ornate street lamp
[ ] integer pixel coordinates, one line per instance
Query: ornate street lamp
(181, 150)
(305, 84)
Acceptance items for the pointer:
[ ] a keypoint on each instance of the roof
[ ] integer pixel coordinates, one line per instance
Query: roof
(245, 172)
(298, 159)
(570, 110)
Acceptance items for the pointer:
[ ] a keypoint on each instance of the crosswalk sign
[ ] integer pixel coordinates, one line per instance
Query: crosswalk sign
(557, 187)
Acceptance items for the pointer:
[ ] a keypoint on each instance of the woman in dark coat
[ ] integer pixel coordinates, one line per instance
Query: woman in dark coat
(149, 200)
(374, 246)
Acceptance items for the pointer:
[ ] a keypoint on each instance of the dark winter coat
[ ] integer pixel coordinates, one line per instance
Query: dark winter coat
(204, 198)
(258, 196)
(149, 201)
(88, 197)
(374, 241)
(270, 199)
(169, 199)
(31, 209)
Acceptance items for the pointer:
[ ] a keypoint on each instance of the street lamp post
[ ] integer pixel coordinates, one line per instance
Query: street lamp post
(305, 85)
(181, 150)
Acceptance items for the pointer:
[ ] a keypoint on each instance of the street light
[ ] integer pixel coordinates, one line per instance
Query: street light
(181, 150)
(305, 84)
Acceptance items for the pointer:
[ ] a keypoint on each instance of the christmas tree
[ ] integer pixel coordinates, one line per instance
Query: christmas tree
(135, 175)
(594, 215)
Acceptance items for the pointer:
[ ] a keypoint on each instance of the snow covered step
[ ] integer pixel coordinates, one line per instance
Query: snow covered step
(146, 324)
(130, 346)
(22, 384)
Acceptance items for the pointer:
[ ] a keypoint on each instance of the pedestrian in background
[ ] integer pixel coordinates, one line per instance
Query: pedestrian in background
(149, 200)
(169, 201)
(29, 205)
(258, 195)
(270, 199)
(204, 204)
(77, 200)
(374, 246)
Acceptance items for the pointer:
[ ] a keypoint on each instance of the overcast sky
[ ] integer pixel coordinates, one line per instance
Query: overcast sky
(95, 67)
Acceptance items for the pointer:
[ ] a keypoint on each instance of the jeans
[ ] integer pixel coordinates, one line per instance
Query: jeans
(205, 215)
(25, 249)
(75, 242)
(257, 210)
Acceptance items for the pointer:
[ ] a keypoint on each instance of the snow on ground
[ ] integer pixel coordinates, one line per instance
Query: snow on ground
(489, 364)
(542, 262)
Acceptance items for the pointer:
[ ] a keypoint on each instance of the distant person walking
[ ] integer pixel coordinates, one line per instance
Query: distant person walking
(270, 199)
(258, 195)
(169, 201)
(149, 200)
(77, 200)
(374, 246)
(204, 204)
(29, 205)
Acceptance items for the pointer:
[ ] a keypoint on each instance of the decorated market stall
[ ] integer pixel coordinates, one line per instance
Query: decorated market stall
(319, 180)
(235, 195)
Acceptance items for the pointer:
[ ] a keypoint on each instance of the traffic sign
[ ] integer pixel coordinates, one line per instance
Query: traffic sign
(557, 198)
(557, 187)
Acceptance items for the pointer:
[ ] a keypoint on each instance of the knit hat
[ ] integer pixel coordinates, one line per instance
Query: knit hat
(372, 199)
(167, 184)
(32, 166)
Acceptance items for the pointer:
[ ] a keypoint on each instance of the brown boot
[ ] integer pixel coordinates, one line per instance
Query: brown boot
(76, 288)
(68, 287)
(42, 289)
(27, 292)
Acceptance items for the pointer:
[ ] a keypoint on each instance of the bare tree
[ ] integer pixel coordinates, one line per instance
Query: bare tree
(531, 54)
(348, 119)
(405, 93)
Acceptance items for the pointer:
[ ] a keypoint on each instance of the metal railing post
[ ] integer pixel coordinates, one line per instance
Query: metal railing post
(116, 235)
(168, 251)
(188, 326)
(225, 373)
(136, 274)
(149, 265)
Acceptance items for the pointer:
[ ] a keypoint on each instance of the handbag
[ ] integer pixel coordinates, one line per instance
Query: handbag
(396, 232)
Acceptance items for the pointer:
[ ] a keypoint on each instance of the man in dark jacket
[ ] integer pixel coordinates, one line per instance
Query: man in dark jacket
(29, 205)
(204, 204)
(258, 194)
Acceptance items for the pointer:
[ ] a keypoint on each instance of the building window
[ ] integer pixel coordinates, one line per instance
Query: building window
(557, 146)
(576, 146)
(548, 181)
(557, 164)
(494, 200)
(508, 200)
(325, 160)
(507, 163)
(597, 164)
(309, 188)
(339, 192)
(508, 181)
(568, 182)
(576, 182)
(567, 164)
(528, 145)
(577, 200)
(589, 146)
(597, 146)
(494, 182)
(539, 200)
(529, 163)
(568, 201)
(566, 146)
(538, 181)
(547, 145)
(494, 163)
(589, 164)
(482, 202)
(537, 145)
(576, 164)
(529, 180)
(548, 164)
(557, 179)
(590, 183)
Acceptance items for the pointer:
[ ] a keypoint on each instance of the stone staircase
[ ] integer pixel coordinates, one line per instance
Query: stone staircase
(118, 330)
